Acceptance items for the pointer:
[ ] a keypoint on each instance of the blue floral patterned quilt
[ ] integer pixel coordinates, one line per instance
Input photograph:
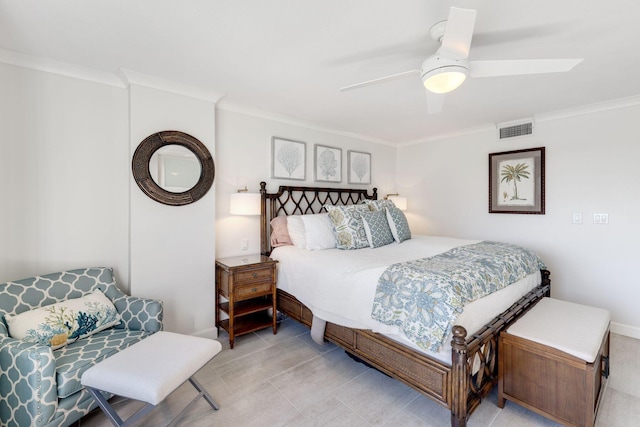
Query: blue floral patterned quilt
(424, 297)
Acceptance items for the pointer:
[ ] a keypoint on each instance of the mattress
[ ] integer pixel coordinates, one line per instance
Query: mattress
(338, 286)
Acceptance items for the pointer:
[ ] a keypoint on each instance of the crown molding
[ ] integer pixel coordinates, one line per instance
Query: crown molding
(543, 117)
(613, 104)
(130, 77)
(126, 77)
(489, 127)
(294, 121)
(58, 67)
(122, 80)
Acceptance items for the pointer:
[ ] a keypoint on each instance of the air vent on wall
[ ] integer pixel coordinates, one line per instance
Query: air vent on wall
(515, 130)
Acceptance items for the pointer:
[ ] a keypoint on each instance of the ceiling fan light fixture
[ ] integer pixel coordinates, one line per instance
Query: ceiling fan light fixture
(442, 75)
(448, 68)
(444, 79)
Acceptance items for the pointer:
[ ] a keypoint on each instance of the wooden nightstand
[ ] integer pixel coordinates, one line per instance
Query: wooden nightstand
(246, 291)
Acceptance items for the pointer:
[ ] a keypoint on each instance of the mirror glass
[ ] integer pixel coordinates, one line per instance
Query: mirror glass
(175, 168)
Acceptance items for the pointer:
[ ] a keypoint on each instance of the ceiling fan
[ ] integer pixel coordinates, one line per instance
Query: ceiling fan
(448, 68)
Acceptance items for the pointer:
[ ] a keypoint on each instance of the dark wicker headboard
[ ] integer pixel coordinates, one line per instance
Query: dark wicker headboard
(296, 200)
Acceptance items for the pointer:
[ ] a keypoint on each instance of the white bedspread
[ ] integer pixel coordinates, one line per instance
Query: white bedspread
(339, 286)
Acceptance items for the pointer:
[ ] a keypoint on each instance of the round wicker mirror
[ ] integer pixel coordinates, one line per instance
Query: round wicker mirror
(152, 188)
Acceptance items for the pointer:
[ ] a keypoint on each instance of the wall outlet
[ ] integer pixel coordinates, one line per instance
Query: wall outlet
(244, 244)
(600, 218)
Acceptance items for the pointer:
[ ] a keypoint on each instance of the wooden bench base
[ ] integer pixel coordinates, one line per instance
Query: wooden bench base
(550, 382)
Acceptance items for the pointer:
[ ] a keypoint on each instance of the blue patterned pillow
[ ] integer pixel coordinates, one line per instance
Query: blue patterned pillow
(378, 205)
(377, 228)
(398, 224)
(348, 226)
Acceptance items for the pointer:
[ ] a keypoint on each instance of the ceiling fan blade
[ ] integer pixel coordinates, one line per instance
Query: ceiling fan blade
(458, 33)
(520, 66)
(381, 80)
(434, 102)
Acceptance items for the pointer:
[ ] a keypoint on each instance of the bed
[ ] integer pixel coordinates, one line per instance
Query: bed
(457, 377)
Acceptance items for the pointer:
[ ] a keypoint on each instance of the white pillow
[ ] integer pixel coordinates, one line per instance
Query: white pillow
(295, 226)
(58, 324)
(318, 232)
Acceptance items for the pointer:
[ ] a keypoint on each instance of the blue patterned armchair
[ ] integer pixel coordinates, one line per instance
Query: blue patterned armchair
(40, 386)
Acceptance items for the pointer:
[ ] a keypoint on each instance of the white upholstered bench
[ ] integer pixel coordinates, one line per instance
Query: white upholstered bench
(149, 371)
(555, 360)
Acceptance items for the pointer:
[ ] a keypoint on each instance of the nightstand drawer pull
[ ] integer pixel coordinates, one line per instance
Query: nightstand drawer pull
(244, 292)
(254, 275)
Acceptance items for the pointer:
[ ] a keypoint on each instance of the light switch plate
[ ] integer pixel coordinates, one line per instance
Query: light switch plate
(577, 218)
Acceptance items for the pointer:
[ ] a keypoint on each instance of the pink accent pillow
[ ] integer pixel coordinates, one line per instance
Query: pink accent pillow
(279, 232)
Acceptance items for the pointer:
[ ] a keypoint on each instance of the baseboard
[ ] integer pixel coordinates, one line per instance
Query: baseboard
(211, 333)
(626, 330)
(616, 328)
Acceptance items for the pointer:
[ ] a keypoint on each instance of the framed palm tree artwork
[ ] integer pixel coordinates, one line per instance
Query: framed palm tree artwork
(516, 182)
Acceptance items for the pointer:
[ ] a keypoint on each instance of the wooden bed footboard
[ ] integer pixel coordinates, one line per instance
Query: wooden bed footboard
(459, 386)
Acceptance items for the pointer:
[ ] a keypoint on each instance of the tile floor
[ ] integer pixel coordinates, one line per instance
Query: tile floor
(288, 380)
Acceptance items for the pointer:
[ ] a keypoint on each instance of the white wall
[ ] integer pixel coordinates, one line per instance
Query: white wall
(64, 175)
(65, 182)
(69, 199)
(591, 167)
(243, 153)
(172, 247)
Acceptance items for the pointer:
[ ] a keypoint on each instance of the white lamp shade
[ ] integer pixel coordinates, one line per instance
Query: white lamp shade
(399, 201)
(244, 204)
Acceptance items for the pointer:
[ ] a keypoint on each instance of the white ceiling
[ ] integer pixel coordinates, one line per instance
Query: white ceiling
(290, 57)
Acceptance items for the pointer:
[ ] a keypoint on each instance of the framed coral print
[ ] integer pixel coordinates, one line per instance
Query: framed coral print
(358, 167)
(327, 163)
(288, 159)
(516, 182)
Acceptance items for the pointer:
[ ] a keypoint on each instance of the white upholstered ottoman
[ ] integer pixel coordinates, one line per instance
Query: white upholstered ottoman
(149, 371)
(555, 361)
